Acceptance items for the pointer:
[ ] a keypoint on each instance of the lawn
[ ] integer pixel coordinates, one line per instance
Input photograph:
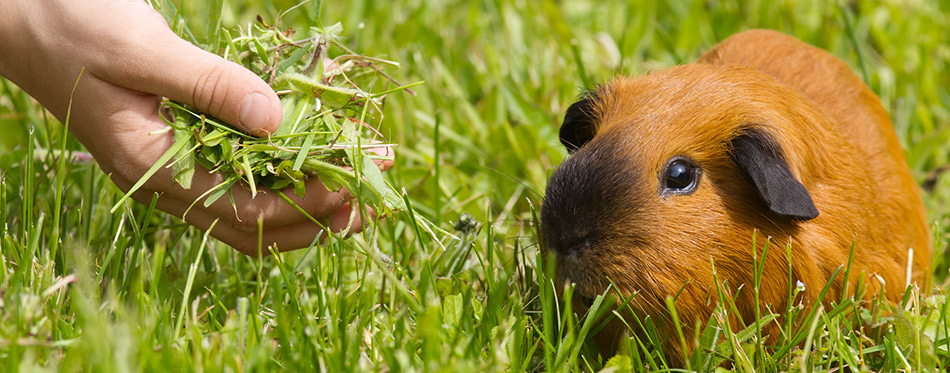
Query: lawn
(85, 289)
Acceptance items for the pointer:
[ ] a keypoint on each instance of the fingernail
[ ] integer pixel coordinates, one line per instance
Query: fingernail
(255, 111)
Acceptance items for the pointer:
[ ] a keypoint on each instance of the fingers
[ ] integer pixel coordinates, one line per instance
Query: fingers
(125, 144)
(161, 63)
(297, 236)
(275, 211)
(238, 209)
(345, 219)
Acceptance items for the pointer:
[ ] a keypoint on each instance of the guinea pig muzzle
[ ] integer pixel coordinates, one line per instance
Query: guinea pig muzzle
(587, 200)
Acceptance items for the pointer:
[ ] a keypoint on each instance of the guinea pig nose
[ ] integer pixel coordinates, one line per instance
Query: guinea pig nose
(576, 247)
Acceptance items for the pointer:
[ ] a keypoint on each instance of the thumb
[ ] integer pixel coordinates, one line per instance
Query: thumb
(171, 67)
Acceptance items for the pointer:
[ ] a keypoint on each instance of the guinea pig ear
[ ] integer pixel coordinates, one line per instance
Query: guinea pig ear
(578, 127)
(760, 159)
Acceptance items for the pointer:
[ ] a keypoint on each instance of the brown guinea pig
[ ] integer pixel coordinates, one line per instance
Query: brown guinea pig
(676, 168)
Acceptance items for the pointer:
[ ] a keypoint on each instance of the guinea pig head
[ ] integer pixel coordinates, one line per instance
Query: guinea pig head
(674, 170)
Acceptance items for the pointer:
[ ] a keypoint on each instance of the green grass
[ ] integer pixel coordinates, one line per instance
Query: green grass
(84, 289)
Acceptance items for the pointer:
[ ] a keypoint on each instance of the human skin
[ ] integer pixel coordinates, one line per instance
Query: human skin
(123, 59)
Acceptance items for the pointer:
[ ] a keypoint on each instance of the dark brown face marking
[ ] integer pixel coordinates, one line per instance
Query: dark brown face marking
(587, 194)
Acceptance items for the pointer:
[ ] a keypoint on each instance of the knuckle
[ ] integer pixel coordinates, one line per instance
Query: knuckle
(210, 89)
(245, 218)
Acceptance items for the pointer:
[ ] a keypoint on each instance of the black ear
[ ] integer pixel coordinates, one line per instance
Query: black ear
(760, 159)
(578, 127)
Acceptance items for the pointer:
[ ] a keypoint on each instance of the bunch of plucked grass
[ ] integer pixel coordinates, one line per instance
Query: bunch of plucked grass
(330, 120)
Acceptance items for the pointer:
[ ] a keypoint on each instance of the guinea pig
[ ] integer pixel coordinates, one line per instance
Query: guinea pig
(679, 168)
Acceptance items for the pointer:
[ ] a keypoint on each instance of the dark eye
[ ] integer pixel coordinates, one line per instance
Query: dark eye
(680, 177)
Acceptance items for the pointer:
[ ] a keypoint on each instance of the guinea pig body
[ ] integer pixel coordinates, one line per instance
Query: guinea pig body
(678, 168)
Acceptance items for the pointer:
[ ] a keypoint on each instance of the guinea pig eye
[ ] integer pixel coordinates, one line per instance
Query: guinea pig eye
(680, 177)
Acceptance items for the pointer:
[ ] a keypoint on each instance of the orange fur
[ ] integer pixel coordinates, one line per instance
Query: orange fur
(836, 139)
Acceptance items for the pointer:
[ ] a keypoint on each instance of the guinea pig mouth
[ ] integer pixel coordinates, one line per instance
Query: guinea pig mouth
(579, 295)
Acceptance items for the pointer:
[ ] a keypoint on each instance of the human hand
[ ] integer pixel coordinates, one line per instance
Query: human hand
(130, 59)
